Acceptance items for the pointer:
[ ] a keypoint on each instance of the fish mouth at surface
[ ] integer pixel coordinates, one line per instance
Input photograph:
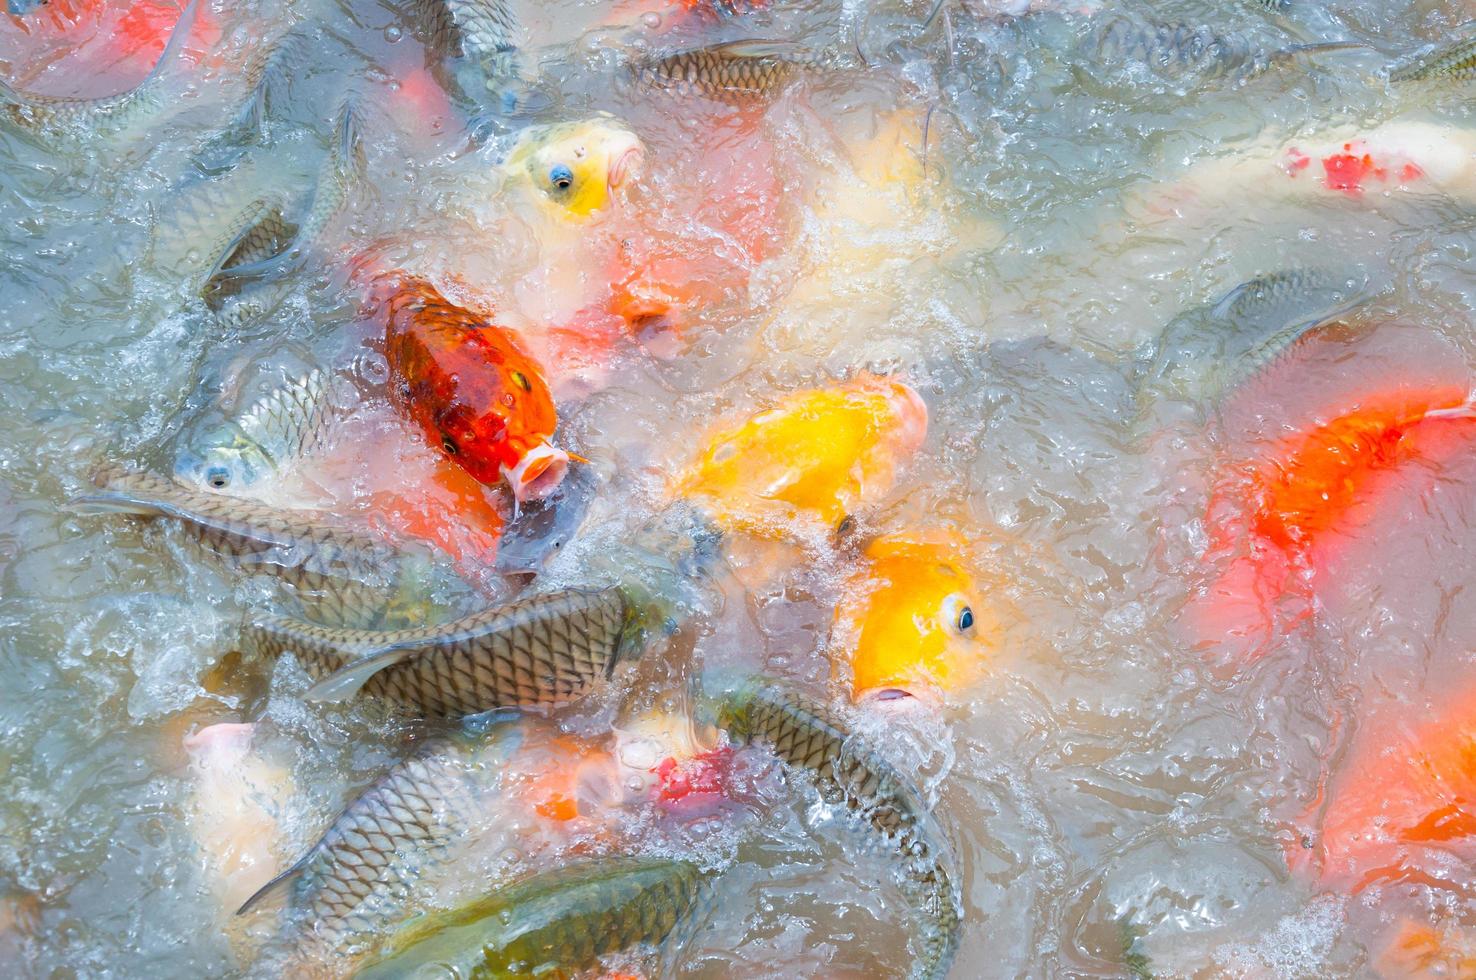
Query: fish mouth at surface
(626, 166)
(538, 473)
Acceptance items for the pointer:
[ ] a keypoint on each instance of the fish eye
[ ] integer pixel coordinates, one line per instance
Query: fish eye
(218, 477)
(521, 380)
(957, 611)
(449, 445)
(561, 177)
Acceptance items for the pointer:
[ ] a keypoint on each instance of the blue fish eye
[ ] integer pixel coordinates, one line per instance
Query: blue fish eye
(561, 177)
(965, 619)
(218, 477)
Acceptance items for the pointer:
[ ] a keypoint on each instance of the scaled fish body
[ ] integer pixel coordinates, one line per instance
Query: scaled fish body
(544, 651)
(734, 70)
(1183, 49)
(807, 735)
(555, 924)
(1207, 352)
(482, 33)
(340, 575)
(275, 432)
(1455, 61)
(471, 389)
(356, 880)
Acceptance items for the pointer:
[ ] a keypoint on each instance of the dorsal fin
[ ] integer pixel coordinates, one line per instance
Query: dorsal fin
(275, 890)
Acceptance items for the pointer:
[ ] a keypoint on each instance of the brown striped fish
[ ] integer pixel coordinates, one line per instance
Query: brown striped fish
(808, 735)
(543, 651)
(733, 70)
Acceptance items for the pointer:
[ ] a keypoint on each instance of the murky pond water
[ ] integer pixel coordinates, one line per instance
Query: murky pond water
(1214, 724)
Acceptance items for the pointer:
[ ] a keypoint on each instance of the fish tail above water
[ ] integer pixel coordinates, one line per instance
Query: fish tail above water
(810, 736)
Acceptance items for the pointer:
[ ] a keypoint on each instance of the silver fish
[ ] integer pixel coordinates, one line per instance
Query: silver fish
(280, 428)
(480, 34)
(355, 881)
(1454, 61)
(1204, 353)
(340, 576)
(1176, 50)
(808, 735)
(732, 70)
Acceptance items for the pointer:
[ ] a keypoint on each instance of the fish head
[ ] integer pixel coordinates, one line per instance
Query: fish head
(224, 461)
(913, 622)
(498, 417)
(812, 459)
(575, 168)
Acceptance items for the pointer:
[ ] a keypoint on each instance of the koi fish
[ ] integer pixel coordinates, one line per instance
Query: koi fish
(574, 168)
(911, 620)
(470, 388)
(809, 462)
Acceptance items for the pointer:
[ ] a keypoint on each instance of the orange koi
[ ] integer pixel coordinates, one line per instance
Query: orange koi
(471, 389)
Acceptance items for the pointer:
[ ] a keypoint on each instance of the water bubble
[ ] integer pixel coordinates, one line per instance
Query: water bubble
(393, 33)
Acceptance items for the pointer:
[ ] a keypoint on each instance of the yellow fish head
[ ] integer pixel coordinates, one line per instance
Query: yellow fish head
(810, 461)
(912, 622)
(575, 167)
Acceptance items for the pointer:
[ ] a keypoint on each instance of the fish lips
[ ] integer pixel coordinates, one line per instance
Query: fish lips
(627, 166)
(538, 473)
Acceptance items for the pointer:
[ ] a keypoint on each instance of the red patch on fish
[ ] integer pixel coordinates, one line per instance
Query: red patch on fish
(1296, 161)
(697, 783)
(469, 386)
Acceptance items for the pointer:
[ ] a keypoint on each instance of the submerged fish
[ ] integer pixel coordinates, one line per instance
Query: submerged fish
(272, 246)
(1176, 49)
(468, 385)
(911, 620)
(481, 34)
(1207, 352)
(807, 735)
(340, 575)
(356, 879)
(813, 459)
(575, 167)
(279, 428)
(557, 923)
(730, 70)
(59, 116)
(1454, 61)
(544, 651)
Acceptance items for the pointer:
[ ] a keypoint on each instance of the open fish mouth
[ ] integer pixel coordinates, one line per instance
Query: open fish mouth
(627, 166)
(538, 473)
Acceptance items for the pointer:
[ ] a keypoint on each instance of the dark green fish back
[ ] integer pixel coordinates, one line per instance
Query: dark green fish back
(1178, 49)
(554, 924)
(808, 735)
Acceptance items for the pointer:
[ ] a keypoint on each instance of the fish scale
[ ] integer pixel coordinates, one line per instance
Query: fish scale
(356, 879)
(1453, 62)
(340, 575)
(742, 69)
(1176, 48)
(807, 734)
(543, 651)
(554, 924)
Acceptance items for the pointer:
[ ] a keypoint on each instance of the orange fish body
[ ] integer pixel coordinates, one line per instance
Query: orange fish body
(809, 462)
(911, 620)
(471, 389)
(1311, 439)
(1404, 791)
